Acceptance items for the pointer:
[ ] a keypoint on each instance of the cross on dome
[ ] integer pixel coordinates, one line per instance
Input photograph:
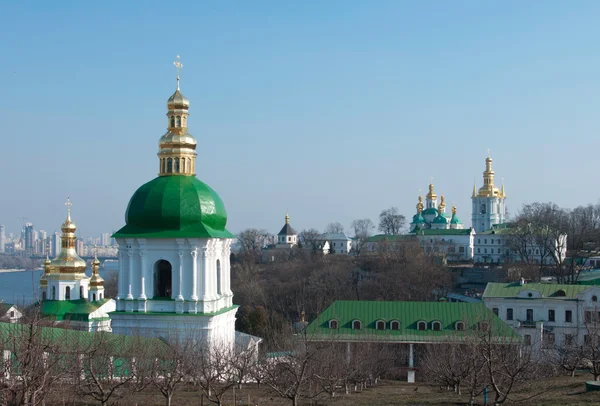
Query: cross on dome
(178, 65)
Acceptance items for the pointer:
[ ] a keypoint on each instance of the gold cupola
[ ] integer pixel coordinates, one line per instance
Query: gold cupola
(431, 195)
(96, 280)
(488, 189)
(177, 147)
(67, 261)
(420, 205)
(442, 205)
(43, 278)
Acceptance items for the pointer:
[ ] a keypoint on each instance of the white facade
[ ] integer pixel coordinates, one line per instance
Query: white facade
(338, 243)
(160, 280)
(456, 246)
(546, 315)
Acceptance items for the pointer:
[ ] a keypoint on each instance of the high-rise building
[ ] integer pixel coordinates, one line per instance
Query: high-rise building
(2, 239)
(80, 247)
(29, 237)
(105, 240)
(55, 247)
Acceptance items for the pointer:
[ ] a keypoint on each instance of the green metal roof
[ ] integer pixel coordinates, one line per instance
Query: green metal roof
(547, 290)
(464, 231)
(455, 220)
(440, 219)
(390, 238)
(71, 309)
(175, 207)
(418, 219)
(408, 314)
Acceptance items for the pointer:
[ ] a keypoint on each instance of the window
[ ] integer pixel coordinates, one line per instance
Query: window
(172, 121)
(550, 339)
(422, 326)
(436, 326)
(12, 313)
(478, 250)
(495, 310)
(94, 297)
(594, 298)
(289, 239)
(333, 324)
(485, 241)
(460, 326)
(395, 325)
(176, 167)
(81, 292)
(479, 241)
(380, 325)
(527, 339)
(178, 121)
(169, 165)
(588, 317)
(356, 325)
(53, 292)
(568, 316)
(551, 315)
(529, 314)
(67, 293)
(44, 295)
(509, 314)
(492, 241)
(560, 293)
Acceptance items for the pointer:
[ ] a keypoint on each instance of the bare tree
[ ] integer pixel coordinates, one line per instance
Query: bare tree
(335, 227)
(310, 240)
(363, 229)
(243, 362)
(590, 351)
(212, 371)
(391, 221)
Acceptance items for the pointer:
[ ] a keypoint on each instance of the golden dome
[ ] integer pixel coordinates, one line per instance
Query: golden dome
(420, 205)
(442, 205)
(178, 100)
(96, 279)
(67, 260)
(431, 195)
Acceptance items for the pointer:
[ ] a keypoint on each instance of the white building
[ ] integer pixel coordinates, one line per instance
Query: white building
(335, 243)
(287, 236)
(9, 313)
(489, 206)
(174, 269)
(496, 246)
(452, 244)
(545, 314)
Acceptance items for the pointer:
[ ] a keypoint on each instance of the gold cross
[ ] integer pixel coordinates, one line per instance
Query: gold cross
(178, 65)
(68, 204)
(489, 154)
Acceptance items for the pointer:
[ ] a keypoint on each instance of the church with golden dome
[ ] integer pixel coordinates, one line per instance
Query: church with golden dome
(174, 249)
(489, 202)
(68, 295)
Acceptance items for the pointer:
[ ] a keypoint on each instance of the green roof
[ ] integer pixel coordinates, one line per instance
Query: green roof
(497, 229)
(430, 210)
(175, 207)
(408, 314)
(440, 219)
(390, 238)
(71, 309)
(116, 343)
(547, 290)
(418, 218)
(455, 220)
(464, 231)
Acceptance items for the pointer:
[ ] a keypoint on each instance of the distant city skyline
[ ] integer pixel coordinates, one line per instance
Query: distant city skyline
(328, 111)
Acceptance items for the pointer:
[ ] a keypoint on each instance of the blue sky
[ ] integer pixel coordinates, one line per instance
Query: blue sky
(331, 110)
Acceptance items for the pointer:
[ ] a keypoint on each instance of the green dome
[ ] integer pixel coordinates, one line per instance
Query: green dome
(418, 219)
(175, 207)
(440, 220)
(455, 220)
(430, 210)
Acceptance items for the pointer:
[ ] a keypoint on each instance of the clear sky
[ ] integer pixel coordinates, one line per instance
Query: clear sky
(332, 110)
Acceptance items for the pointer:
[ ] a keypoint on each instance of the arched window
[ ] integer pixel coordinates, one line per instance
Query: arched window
(162, 279)
(81, 292)
(395, 325)
(53, 292)
(380, 325)
(594, 298)
(178, 121)
(67, 293)
(422, 326)
(44, 295)
(172, 121)
(169, 165)
(94, 297)
(436, 326)
(333, 324)
(176, 168)
(218, 276)
(560, 293)
(162, 165)
(460, 326)
(356, 325)
(186, 167)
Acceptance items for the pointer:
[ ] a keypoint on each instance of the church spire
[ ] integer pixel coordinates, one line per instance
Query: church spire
(177, 148)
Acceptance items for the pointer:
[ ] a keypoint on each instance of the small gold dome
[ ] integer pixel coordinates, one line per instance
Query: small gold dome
(178, 100)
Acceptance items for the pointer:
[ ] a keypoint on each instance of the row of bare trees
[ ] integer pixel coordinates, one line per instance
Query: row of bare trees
(546, 234)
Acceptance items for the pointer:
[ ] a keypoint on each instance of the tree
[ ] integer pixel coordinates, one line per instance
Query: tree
(310, 239)
(391, 221)
(363, 229)
(334, 228)
(211, 369)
